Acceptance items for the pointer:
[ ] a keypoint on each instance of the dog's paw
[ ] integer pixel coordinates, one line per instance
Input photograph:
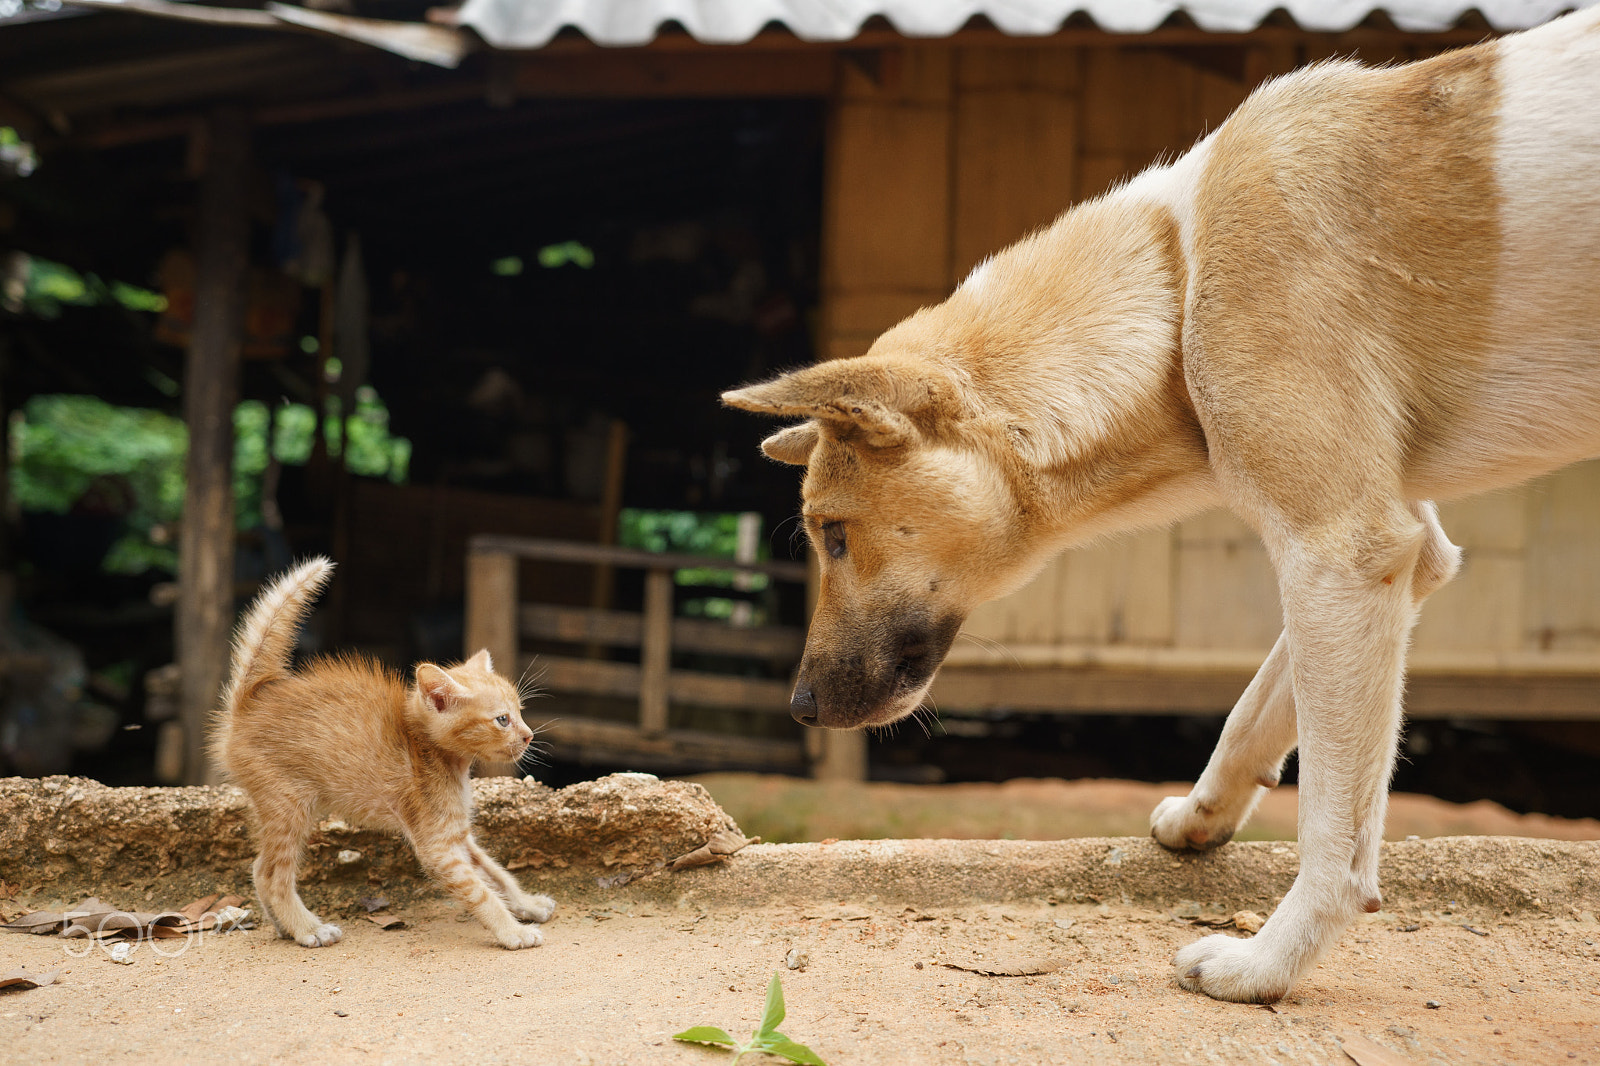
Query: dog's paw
(1180, 822)
(530, 908)
(322, 936)
(519, 937)
(1240, 971)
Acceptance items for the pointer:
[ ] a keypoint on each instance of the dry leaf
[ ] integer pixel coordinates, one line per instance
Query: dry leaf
(1018, 969)
(202, 913)
(42, 923)
(387, 921)
(93, 918)
(1368, 1053)
(21, 980)
(200, 907)
(719, 847)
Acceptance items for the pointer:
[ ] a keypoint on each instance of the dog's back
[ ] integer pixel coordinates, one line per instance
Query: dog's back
(1425, 235)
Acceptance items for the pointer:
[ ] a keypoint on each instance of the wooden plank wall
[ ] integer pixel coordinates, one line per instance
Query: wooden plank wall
(940, 154)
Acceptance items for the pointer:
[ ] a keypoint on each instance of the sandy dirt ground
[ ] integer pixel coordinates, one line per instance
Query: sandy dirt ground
(795, 809)
(614, 981)
(1499, 932)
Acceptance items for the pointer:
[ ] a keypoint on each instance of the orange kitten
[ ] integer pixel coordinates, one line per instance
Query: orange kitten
(346, 737)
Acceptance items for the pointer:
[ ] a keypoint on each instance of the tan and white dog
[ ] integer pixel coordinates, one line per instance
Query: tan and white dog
(1367, 290)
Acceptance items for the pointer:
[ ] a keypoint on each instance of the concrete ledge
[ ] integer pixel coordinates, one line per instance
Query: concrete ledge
(1499, 872)
(74, 834)
(612, 837)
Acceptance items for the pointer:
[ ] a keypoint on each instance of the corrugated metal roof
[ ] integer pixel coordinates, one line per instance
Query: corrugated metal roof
(532, 23)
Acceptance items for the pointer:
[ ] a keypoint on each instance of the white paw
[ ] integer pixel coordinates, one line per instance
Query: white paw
(533, 908)
(320, 937)
(1241, 971)
(522, 936)
(1179, 822)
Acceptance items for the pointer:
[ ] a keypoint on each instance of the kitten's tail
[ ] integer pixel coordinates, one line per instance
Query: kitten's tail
(267, 633)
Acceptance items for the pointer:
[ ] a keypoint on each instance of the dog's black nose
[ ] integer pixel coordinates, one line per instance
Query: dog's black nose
(803, 704)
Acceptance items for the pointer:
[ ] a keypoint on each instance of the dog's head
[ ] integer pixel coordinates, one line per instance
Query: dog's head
(914, 514)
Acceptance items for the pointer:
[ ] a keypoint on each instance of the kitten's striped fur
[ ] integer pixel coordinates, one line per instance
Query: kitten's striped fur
(348, 738)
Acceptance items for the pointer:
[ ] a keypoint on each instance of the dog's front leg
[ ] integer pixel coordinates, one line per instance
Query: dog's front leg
(1347, 618)
(1258, 736)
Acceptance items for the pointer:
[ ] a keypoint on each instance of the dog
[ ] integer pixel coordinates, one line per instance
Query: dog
(1367, 290)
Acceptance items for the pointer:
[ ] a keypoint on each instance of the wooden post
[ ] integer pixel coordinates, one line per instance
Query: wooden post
(492, 623)
(492, 609)
(656, 652)
(210, 392)
(605, 575)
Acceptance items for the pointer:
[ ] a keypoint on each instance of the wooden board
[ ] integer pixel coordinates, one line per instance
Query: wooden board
(597, 677)
(1564, 560)
(594, 740)
(1015, 167)
(1068, 691)
(624, 629)
(887, 201)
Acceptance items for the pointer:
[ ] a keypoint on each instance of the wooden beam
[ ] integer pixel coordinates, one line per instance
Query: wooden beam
(204, 617)
(594, 740)
(636, 73)
(655, 656)
(492, 609)
(566, 551)
(624, 629)
(1060, 690)
(560, 673)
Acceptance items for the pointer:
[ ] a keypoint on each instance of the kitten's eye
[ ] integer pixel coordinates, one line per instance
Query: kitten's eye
(503, 720)
(833, 538)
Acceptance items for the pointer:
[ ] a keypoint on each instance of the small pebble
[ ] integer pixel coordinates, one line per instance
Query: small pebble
(1433, 1004)
(341, 1014)
(919, 965)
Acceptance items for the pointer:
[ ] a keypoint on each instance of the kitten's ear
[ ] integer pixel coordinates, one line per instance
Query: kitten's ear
(481, 661)
(437, 687)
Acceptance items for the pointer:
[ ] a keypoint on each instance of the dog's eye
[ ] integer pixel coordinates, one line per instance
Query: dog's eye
(503, 720)
(833, 538)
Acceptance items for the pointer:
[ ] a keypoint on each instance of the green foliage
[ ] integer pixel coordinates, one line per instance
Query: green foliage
(370, 448)
(64, 446)
(766, 1039)
(689, 532)
(559, 255)
(17, 156)
(49, 286)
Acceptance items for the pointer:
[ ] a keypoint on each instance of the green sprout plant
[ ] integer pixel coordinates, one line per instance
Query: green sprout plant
(766, 1039)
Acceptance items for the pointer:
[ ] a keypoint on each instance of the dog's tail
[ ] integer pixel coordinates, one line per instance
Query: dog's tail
(267, 632)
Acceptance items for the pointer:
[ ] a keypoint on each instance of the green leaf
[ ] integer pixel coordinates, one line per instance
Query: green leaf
(775, 1043)
(772, 1017)
(705, 1034)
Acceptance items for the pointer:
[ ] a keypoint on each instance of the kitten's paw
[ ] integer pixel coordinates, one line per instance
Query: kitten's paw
(522, 936)
(322, 936)
(1241, 971)
(531, 908)
(1180, 822)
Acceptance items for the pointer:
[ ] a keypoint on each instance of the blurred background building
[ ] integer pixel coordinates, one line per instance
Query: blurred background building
(376, 279)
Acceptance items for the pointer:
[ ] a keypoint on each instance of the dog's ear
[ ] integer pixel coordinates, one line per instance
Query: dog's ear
(871, 394)
(792, 444)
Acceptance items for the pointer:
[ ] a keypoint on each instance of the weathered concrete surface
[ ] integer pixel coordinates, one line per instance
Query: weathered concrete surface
(71, 835)
(76, 834)
(1497, 872)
